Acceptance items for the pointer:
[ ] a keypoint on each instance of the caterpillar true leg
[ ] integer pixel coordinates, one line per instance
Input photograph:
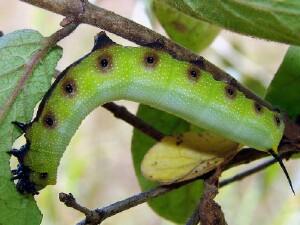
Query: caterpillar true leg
(21, 126)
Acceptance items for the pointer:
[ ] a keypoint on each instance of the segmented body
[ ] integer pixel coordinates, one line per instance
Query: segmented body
(112, 72)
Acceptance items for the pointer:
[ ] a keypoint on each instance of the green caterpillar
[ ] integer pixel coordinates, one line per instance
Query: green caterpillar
(112, 72)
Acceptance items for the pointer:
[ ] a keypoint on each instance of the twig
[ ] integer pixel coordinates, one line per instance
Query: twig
(122, 113)
(70, 201)
(284, 155)
(139, 34)
(247, 173)
(108, 211)
(195, 217)
(142, 197)
(47, 44)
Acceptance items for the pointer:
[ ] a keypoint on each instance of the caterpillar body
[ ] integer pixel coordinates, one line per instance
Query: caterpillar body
(113, 72)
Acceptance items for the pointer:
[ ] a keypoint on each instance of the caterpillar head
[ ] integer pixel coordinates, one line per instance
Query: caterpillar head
(24, 184)
(28, 180)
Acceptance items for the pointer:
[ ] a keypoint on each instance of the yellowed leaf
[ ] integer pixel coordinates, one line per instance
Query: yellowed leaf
(186, 156)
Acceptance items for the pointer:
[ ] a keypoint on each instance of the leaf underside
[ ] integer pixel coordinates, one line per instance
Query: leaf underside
(267, 19)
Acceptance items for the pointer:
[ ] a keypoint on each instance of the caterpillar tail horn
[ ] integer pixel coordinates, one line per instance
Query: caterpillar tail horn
(279, 160)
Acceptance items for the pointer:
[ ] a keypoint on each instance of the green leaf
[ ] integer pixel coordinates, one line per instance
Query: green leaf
(254, 85)
(16, 50)
(283, 91)
(268, 19)
(188, 31)
(179, 204)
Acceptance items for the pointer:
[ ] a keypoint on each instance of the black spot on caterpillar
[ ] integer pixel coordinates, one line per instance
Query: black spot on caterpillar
(258, 108)
(49, 120)
(105, 62)
(151, 60)
(277, 120)
(69, 88)
(230, 91)
(193, 73)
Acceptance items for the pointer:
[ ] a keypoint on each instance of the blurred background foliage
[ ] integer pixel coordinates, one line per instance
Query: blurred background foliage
(97, 167)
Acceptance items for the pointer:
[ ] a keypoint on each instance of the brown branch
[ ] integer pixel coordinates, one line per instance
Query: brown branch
(122, 113)
(47, 44)
(210, 213)
(204, 212)
(101, 214)
(139, 34)
(142, 197)
(195, 217)
(247, 173)
(255, 169)
(70, 201)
